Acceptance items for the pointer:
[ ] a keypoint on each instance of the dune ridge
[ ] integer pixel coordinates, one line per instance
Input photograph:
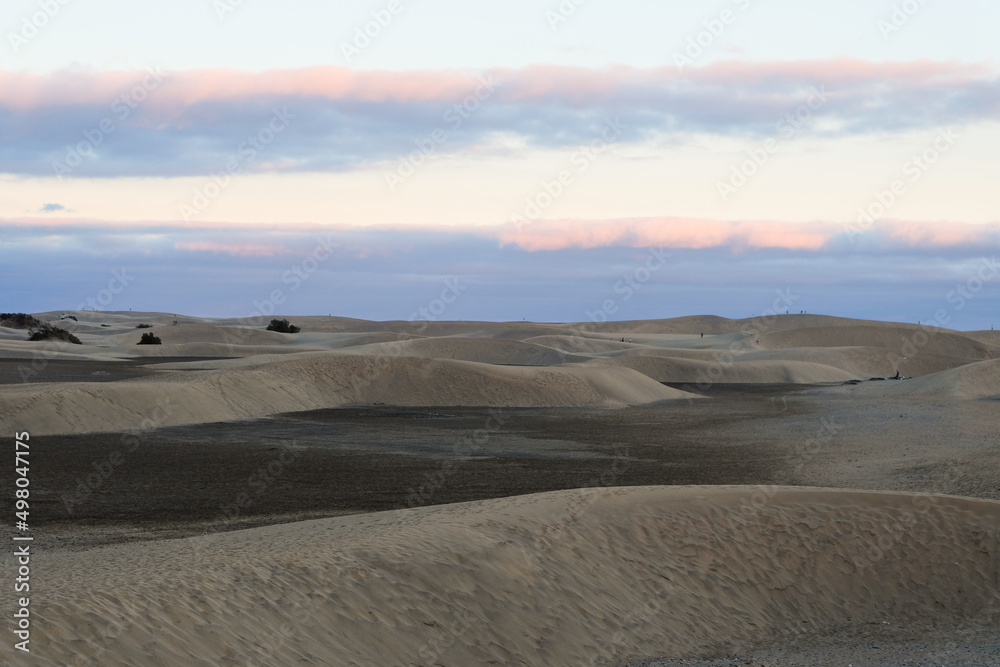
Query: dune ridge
(314, 382)
(695, 371)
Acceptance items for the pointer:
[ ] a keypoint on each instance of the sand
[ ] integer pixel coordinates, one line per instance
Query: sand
(473, 363)
(594, 576)
(768, 574)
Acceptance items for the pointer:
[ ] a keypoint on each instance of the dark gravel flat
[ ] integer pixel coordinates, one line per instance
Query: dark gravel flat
(183, 480)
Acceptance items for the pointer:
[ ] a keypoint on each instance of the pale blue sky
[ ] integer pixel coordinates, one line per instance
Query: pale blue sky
(447, 34)
(142, 189)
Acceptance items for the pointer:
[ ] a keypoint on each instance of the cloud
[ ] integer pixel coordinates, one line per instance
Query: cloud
(106, 124)
(733, 237)
(51, 208)
(896, 270)
(235, 249)
(743, 235)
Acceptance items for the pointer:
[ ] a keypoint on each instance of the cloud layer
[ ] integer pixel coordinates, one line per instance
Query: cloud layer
(895, 271)
(106, 124)
(735, 237)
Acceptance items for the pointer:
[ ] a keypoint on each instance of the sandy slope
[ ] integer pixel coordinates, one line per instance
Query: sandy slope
(313, 382)
(693, 371)
(900, 339)
(973, 381)
(499, 351)
(586, 577)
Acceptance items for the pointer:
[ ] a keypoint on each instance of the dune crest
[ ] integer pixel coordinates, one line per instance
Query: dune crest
(314, 382)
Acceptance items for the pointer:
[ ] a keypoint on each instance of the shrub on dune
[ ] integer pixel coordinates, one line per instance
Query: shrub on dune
(149, 339)
(282, 326)
(49, 332)
(19, 321)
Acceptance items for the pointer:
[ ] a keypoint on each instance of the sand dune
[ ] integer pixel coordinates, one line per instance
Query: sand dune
(861, 362)
(928, 340)
(313, 382)
(668, 344)
(339, 361)
(713, 325)
(499, 351)
(585, 577)
(203, 334)
(576, 344)
(693, 325)
(974, 381)
(668, 369)
(511, 330)
(596, 576)
(988, 337)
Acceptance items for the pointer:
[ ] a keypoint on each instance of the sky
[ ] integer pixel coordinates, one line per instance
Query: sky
(563, 160)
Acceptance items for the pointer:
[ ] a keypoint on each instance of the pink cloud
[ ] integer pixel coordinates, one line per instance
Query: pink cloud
(741, 235)
(568, 85)
(547, 235)
(186, 88)
(673, 232)
(842, 71)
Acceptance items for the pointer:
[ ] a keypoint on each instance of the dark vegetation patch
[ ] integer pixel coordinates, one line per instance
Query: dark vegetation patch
(49, 332)
(282, 326)
(19, 321)
(149, 339)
